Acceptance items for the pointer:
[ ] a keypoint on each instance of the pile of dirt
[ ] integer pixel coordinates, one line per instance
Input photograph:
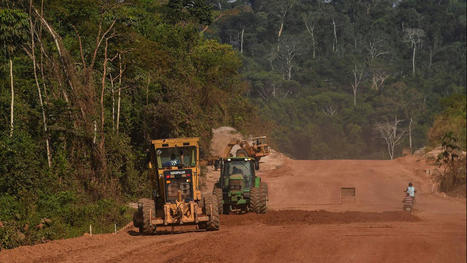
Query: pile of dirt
(221, 137)
(273, 161)
(297, 217)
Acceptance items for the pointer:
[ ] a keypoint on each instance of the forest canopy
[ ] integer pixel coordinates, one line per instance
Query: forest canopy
(334, 74)
(84, 86)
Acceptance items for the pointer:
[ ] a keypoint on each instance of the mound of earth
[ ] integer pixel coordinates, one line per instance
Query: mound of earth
(284, 217)
(221, 137)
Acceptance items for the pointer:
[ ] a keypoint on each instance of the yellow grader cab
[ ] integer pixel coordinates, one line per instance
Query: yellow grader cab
(177, 200)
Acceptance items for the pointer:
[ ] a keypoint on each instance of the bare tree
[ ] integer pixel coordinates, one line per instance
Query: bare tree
(310, 28)
(378, 78)
(414, 37)
(41, 103)
(119, 98)
(283, 10)
(391, 135)
(334, 44)
(241, 40)
(83, 90)
(357, 80)
(12, 104)
(286, 57)
(378, 75)
(375, 50)
(329, 110)
(410, 134)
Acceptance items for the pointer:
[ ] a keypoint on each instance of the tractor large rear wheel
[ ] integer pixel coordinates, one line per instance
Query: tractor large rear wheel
(141, 218)
(258, 199)
(219, 196)
(209, 203)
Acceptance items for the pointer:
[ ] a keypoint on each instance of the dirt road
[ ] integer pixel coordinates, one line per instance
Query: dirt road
(376, 230)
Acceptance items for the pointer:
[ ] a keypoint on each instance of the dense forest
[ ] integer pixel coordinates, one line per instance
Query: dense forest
(84, 84)
(335, 76)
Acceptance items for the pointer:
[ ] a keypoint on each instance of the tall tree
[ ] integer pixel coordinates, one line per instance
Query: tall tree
(13, 32)
(391, 134)
(414, 37)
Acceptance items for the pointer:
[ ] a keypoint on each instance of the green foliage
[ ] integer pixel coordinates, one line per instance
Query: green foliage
(13, 30)
(301, 69)
(162, 79)
(21, 170)
(451, 121)
(452, 160)
(60, 215)
(10, 237)
(198, 11)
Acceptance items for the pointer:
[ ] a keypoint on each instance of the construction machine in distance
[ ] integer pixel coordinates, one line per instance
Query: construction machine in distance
(177, 200)
(258, 149)
(238, 188)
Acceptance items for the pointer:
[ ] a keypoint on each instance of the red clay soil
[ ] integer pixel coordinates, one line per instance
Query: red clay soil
(296, 229)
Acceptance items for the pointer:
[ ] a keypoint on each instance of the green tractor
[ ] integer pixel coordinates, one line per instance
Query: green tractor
(239, 189)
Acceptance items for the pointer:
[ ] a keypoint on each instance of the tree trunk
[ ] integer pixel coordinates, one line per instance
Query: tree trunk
(12, 106)
(410, 135)
(102, 133)
(94, 138)
(431, 58)
(355, 97)
(311, 31)
(279, 35)
(289, 72)
(357, 79)
(147, 91)
(334, 46)
(39, 92)
(119, 91)
(391, 153)
(313, 42)
(113, 101)
(413, 59)
(241, 41)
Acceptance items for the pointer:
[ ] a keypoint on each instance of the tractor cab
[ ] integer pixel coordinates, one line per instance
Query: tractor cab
(238, 173)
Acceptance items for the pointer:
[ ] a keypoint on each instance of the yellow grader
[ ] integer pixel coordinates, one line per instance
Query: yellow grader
(177, 200)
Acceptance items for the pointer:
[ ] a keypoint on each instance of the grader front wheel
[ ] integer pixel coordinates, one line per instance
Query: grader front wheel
(210, 205)
(141, 218)
(219, 196)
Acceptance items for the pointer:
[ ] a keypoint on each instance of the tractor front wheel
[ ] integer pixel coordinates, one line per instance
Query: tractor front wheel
(258, 199)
